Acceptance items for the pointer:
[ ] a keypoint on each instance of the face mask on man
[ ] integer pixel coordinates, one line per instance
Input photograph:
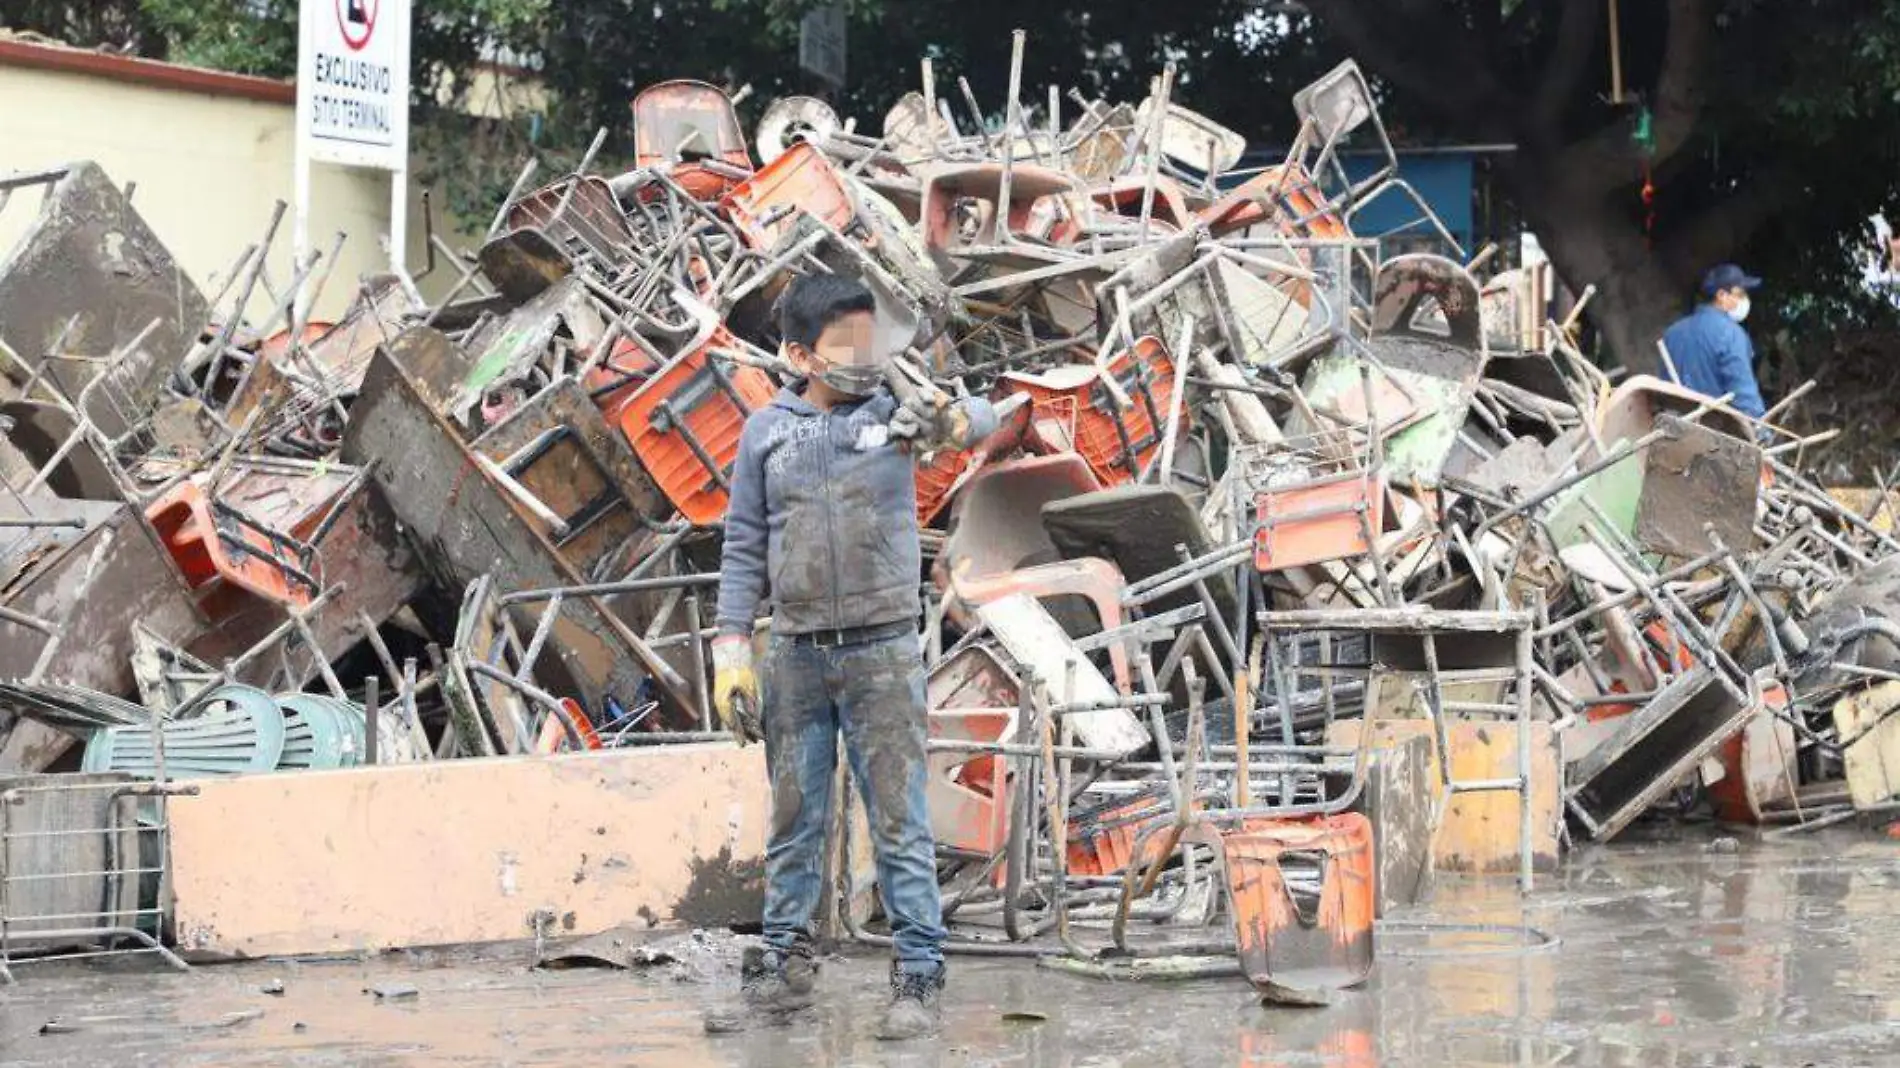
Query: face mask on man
(1738, 311)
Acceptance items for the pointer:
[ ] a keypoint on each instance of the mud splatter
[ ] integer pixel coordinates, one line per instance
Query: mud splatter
(722, 892)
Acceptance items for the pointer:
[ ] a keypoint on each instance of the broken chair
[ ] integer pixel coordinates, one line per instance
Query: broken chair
(690, 129)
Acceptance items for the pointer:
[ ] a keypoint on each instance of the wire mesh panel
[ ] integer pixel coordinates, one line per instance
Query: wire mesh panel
(82, 868)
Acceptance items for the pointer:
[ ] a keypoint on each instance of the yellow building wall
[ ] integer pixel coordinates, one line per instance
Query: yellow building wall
(208, 169)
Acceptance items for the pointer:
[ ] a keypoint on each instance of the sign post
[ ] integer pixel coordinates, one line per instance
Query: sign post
(821, 40)
(353, 102)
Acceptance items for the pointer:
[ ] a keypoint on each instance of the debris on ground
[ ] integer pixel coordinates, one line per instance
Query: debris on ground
(1300, 569)
(618, 948)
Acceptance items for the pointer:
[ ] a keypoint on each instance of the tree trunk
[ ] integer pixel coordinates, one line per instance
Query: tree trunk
(1592, 242)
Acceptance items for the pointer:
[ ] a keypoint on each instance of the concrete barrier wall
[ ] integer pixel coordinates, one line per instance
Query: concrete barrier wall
(459, 851)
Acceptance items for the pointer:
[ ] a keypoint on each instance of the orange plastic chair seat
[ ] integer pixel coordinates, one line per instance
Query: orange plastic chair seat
(685, 428)
(1073, 401)
(1326, 519)
(800, 179)
(1301, 895)
(234, 552)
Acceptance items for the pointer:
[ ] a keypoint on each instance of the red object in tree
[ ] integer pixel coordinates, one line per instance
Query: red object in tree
(1649, 205)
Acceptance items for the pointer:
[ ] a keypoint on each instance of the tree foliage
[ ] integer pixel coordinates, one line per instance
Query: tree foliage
(1763, 127)
(259, 37)
(246, 36)
(1233, 61)
(469, 162)
(119, 25)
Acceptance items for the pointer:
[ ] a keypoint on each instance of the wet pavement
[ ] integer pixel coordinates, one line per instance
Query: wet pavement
(1672, 953)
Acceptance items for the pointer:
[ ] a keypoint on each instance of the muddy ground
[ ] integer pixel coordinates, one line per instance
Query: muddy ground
(1673, 953)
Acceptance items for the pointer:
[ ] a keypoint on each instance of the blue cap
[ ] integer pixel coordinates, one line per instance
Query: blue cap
(1727, 276)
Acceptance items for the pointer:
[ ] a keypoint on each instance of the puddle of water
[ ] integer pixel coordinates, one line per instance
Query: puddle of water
(1669, 956)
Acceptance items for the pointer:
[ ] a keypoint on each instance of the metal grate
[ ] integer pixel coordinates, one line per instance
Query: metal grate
(83, 868)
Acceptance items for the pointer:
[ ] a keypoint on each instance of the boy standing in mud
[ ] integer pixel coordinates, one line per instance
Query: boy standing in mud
(824, 514)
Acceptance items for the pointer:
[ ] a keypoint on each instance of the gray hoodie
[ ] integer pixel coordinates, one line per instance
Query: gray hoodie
(824, 509)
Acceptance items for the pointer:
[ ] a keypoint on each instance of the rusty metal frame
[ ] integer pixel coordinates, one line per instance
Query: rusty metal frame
(97, 932)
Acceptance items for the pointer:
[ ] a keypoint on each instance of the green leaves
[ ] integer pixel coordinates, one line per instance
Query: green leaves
(244, 36)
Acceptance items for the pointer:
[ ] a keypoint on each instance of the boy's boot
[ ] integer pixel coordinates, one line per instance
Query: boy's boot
(914, 1010)
(771, 984)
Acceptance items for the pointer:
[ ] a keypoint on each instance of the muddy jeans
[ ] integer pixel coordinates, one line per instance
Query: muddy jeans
(874, 693)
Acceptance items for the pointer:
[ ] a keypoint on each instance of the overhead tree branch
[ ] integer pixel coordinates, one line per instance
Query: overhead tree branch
(1680, 87)
(1571, 51)
(1675, 105)
(1521, 17)
(1431, 57)
(1718, 231)
(1487, 20)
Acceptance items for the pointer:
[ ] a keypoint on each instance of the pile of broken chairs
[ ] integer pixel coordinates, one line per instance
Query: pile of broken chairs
(1290, 557)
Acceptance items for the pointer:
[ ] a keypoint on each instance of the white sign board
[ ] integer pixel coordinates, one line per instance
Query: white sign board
(353, 102)
(353, 82)
(821, 43)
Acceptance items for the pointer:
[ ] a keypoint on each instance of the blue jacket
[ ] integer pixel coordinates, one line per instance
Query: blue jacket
(824, 509)
(1713, 356)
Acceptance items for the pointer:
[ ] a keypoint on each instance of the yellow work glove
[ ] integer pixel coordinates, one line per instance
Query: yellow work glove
(736, 687)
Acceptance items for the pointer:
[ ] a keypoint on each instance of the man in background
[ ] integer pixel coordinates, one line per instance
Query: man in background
(1710, 351)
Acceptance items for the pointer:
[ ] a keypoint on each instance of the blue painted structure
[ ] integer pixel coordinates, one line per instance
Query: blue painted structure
(1445, 177)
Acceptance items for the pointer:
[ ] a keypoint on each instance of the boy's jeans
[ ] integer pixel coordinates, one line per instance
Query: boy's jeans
(874, 693)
